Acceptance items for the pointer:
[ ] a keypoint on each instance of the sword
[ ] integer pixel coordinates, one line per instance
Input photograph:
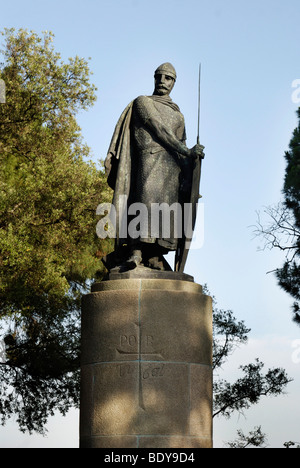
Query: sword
(184, 243)
(199, 80)
(198, 131)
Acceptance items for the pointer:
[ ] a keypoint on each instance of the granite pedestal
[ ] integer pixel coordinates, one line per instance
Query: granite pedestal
(146, 375)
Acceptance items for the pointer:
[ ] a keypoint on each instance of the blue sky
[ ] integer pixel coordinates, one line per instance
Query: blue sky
(249, 53)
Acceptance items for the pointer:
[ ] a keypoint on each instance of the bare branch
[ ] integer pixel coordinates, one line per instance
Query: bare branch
(279, 230)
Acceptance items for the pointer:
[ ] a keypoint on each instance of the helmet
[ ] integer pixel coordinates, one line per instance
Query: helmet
(166, 69)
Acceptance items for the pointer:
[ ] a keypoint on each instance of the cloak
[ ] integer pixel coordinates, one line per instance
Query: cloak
(118, 163)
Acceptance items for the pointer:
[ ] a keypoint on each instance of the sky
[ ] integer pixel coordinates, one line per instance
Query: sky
(249, 55)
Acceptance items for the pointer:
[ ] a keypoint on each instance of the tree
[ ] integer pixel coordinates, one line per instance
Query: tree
(283, 228)
(253, 384)
(49, 251)
(248, 389)
(291, 444)
(255, 438)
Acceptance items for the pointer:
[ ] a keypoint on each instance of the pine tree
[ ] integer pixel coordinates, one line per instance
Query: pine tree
(281, 229)
(289, 275)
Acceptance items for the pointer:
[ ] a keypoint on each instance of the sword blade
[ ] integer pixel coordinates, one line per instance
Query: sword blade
(199, 80)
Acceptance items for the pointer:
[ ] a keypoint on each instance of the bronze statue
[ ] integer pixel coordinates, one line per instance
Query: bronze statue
(149, 163)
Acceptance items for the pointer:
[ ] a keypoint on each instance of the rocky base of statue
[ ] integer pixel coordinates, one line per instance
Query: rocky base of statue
(146, 375)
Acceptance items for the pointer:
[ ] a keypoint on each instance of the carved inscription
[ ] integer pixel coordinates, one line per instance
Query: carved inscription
(140, 349)
(128, 340)
(153, 370)
(148, 370)
(130, 344)
(126, 370)
(133, 347)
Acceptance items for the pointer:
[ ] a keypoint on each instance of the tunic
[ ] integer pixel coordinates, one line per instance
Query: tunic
(157, 165)
(145, 163)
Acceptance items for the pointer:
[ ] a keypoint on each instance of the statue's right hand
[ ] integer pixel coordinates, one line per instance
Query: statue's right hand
(197, 151)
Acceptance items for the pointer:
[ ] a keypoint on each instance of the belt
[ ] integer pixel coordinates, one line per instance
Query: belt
(152, 150)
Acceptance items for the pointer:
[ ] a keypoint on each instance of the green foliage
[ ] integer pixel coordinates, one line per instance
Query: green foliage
(228, 334)
(49, 251)
(41, 372)
(49, 193)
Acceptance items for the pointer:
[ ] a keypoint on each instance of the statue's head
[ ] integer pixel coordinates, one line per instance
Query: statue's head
(165, 77)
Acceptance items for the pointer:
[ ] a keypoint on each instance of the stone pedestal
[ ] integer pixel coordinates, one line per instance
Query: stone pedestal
(146, 365)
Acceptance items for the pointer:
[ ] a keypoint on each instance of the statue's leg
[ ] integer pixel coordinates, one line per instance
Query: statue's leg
(153, 255)
(134, 260)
